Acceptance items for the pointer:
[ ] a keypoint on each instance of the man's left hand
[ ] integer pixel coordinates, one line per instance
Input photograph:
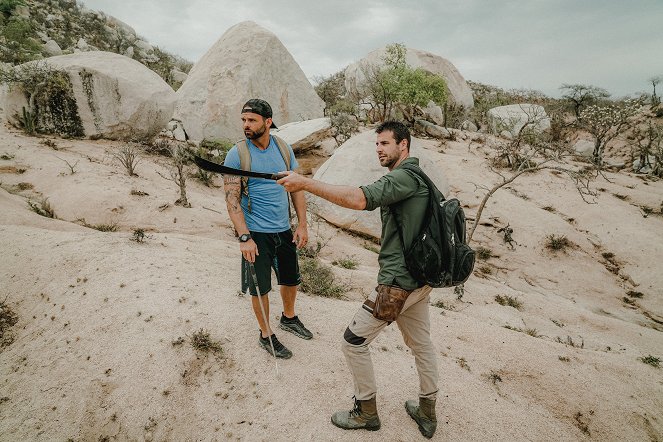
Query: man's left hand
(300, 237)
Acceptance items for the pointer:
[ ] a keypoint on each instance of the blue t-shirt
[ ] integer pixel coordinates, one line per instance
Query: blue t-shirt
(269, 201)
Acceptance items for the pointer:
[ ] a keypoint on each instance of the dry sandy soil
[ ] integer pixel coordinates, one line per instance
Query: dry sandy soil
(102, 347)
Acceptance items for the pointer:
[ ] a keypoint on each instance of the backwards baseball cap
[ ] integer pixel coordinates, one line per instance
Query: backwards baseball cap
(260, 107)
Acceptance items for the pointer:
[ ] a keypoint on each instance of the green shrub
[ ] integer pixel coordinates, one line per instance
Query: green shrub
(318, 279)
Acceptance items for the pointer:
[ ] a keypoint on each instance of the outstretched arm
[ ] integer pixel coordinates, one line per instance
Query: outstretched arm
(344, 196)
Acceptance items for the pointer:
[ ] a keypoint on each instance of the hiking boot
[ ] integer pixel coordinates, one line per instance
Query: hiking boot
(364, 415)
(280, 349)
(294, 326)
(423, 414)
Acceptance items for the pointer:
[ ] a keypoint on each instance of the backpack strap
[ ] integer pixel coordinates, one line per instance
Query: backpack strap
(245, 162)
(416, 170)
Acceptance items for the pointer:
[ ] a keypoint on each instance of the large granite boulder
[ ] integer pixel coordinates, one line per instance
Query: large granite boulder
(355, 163)
(459, 91)
(305, 135)
(248, 61)
(115, 97)
(513, 117)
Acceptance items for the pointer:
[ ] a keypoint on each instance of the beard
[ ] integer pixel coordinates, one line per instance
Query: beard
(387, 161)
(255, 134)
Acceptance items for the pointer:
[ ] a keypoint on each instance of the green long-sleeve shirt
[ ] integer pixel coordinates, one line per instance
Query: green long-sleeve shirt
(409, 196)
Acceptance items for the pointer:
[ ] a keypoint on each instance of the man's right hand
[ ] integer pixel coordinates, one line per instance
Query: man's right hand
(249, 250)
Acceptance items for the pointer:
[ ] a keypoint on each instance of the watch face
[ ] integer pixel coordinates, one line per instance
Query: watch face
(244, 238)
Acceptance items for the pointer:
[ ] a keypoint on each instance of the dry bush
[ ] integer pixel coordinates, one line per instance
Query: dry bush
(318, 279)
(7, 319)
(128, 156)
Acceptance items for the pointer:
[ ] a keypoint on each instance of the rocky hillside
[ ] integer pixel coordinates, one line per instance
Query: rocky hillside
(31, 29)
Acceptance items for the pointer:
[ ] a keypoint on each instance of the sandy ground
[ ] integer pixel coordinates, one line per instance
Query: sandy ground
(94, 355)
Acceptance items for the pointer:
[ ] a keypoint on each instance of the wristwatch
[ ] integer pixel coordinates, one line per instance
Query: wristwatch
(245, 237)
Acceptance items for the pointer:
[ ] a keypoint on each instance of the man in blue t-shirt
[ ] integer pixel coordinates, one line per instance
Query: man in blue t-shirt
(262, 222)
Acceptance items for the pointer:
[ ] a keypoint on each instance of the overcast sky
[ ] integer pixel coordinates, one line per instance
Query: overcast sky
(534, 44)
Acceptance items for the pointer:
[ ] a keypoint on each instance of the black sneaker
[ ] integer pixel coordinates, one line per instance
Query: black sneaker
(280, 349)
(295, 326)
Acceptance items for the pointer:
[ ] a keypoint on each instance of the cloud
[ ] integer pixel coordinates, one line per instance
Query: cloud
(535, 44)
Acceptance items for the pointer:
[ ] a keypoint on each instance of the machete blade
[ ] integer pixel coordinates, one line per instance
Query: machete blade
(225, 170)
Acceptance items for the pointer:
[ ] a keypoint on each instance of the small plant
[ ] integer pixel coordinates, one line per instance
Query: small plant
(651, 360)
(318, 279)
(50, 143)
(582, 423)
(441, 304)
(557, 242)
(138, 235)
(202, 341)
(463, 363)
(509, 301)
(346, 263)
(550, 209)
(620, 196)
(569, 341)
(72, 167)
(43, 208)
(484, 253)
(494, 377)
(559, 324)
(564, 359)
(7, 319)
(139, 192)
(6, 156)
(178, 341)
(634, 294)
(128, 156)
(628, 301)
(486, 270)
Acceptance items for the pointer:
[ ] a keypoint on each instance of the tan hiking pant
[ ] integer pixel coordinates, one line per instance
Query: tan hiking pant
(414, 324)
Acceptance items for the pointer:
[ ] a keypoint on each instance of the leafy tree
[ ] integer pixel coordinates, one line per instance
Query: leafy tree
(397, 87)
(331, 89)
(580, 96)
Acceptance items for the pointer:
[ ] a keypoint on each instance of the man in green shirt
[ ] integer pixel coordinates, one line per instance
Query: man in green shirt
(402, 197)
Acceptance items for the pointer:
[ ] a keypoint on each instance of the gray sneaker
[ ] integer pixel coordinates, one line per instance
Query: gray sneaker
(294, 326)
(281, 351)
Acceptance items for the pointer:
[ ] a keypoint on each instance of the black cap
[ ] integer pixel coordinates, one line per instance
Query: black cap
(260, 107)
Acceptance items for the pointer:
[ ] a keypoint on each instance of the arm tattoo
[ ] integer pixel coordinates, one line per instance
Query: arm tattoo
(232, 188)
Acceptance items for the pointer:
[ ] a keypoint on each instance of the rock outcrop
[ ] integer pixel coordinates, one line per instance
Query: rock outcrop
(459, 91)
(115, 97)
(355, 163)
(248, 61)
(305, 135)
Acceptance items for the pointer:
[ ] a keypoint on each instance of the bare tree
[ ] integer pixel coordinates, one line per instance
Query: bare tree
(177, 171)
(529, 152)
(647, 144)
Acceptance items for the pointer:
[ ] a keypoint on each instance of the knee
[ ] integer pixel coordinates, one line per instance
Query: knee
(351, 342)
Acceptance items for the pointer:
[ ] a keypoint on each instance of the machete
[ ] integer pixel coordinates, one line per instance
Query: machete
(225, 170)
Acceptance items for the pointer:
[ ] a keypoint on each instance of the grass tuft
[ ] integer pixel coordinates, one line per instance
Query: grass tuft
(557, 242)
(509, 301)
(7, 319)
